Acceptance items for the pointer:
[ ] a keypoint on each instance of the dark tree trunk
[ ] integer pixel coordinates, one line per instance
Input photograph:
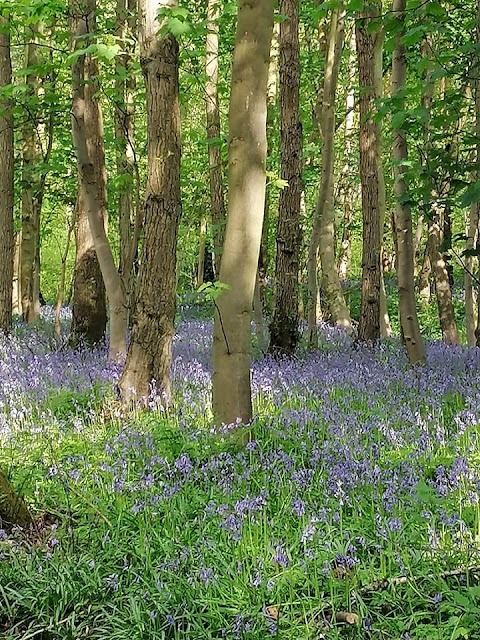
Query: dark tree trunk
(284, 327)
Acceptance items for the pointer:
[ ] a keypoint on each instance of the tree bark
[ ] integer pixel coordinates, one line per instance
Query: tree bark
(87, 131)
(284, 332)
(57, 328)
(127, 169)
(369, 325)
(217, 200)
(323, 233)
(232, 400)
(403, 220)
(89, 307)
(32, 185)
(150, 351)
(6, 182)
(13, 510)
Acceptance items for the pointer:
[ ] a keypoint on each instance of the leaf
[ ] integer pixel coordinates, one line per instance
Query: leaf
(471, 194)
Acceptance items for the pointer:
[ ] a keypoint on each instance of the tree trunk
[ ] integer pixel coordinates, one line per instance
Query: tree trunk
(6, 182)
(403, 220)
(89, 308)
(471, 293)
(232, 399)
(87, 132)
(369, 325)
(16, 293)
(202, 237)
(150, 351)
(57, 328)
(385, 327)
(127, 170)
(348, 187)
(13, 510)
(323, 234)
(217, 200)
(284, 327)
(32, 183)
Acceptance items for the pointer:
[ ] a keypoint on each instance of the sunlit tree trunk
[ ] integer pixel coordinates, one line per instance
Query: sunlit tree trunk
(232, 399)
(348, 186)
(6, 182)
(57, 329)
(217, 200)
(16, 293)
(369, 325)
(87, 132)
(150, 350)
(403, 220)
(284, 326)
(323, 234)
(471, 291)
(385, 327)
(127, 170)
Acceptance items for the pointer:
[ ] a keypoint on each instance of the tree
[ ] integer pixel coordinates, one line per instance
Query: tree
(366, 34)
(403, 220)
(323, 233)
(6, 180)
(87, 132)
(246, 198)
(150, 350)
(284, 327)
(217, 202)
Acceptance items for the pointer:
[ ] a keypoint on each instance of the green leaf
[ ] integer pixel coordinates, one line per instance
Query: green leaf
(471, 194)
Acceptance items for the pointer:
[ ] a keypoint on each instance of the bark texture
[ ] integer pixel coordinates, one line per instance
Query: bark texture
(32, 186)
(87, 131)
(150, 351)
(127, 170)
(217, 200)
(6, 183)
(369, 324)
(13, 510)
(323, 234)
(89, 307)
(403, 219)
(284, 327)
(232, 400)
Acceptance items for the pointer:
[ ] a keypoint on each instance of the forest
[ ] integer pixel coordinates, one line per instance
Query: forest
(239, 319)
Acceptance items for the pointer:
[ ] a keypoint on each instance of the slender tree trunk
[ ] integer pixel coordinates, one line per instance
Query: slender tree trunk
(202, 237)
(369, 325)
(217, 200)
(16, 293)
(87, 131)
(232, 399)
(57, 328)
(32, 191)
(348, 188)
(403, 220)
(6, 182)
(284, 327)
(150, 351)
(323, 234)
(385, 327)
(127, 170)
(471, 292)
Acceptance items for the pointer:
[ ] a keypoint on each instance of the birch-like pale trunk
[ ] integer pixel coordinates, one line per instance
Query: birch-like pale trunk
(232, 400)
(323, 232)
(385, 327)
(212, 104)
(6, 182)
(150, 351)
(87, 133)
(284, 333)
(403, 219)
(348, 188)
(57, 327)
